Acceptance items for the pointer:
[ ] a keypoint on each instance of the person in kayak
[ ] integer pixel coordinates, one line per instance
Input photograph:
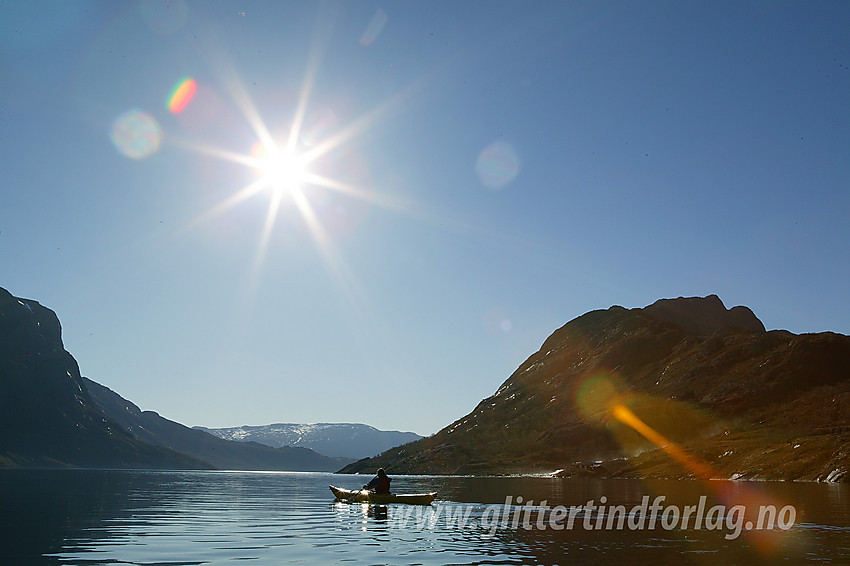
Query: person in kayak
(380, 483)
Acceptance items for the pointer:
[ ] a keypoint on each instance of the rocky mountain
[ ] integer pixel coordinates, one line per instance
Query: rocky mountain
(52, 416)
(346, 440)
(223, 454)
(681, 388)
(47, 417)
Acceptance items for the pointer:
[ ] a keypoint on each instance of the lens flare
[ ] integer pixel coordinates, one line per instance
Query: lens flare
(697, 467)
(136, 134)
(182, 95)
(319, 125)
(373, 30)
(601, 399)
(497, 165)
(496, 321)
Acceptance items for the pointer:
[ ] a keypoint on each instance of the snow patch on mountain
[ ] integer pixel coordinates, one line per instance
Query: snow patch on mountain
(349, 440)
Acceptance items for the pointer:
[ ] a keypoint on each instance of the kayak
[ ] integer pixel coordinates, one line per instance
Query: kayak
(363, 496)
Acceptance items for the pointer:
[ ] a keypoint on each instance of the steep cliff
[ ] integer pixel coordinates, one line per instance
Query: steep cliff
(52, 416)
(47, 417)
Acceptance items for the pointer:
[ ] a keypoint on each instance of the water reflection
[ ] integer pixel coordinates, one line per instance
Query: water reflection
(378, 513)
(98, 517)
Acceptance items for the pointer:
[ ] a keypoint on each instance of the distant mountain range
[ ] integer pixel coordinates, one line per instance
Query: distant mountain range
(52, 416)
(615, 392)
(681, 388)
(148, 426)
(346, 440)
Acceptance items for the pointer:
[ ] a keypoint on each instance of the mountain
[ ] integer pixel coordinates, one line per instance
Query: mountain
(47, 417)
(616, 392)
(345, 440)
(223, 454)
(52, 416)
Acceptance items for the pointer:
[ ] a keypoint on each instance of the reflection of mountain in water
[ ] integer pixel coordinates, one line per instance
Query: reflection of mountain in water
(44, 510)
(166, 517)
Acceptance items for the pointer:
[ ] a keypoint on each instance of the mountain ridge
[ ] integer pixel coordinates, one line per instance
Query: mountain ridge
(150, 427)
(743, 401)
(52, 416)
(346, 440)
(47, 417)
(710, 379)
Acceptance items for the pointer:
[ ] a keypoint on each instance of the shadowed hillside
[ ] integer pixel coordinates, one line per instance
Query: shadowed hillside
(52, 416)
(150, 427)
(744, 401)
(47, 417)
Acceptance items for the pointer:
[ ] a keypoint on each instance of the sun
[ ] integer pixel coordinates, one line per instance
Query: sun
(282, 170)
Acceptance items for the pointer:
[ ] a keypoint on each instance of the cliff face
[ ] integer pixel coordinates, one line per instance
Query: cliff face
(47, 417)
(52, 416)
(744, 401)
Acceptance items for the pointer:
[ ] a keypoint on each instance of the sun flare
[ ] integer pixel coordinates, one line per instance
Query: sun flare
(281, 170)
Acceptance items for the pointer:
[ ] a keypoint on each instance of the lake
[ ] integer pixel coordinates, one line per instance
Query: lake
(171, 518)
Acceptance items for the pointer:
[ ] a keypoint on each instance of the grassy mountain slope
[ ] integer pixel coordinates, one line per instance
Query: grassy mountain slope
(738, 399)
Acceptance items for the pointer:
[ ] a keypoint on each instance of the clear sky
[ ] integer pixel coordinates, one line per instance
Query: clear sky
(375, 211)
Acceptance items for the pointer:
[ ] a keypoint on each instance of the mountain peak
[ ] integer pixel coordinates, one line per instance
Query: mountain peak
(743, 400)
(703, 316)
(346, 440)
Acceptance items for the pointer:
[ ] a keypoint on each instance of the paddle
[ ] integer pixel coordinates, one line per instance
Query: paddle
(355, 494)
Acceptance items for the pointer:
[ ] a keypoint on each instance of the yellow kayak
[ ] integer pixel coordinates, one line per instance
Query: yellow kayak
(363, 496)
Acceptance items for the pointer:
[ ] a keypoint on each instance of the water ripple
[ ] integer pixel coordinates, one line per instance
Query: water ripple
(193, 518)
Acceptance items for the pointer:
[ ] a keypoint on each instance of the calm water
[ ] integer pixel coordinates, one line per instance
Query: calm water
(181, 518)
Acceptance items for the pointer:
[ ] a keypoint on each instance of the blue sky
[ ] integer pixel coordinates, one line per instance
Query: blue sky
(479, 173)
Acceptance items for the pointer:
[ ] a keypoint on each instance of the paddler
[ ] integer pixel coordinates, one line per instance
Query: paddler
(380, 483)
